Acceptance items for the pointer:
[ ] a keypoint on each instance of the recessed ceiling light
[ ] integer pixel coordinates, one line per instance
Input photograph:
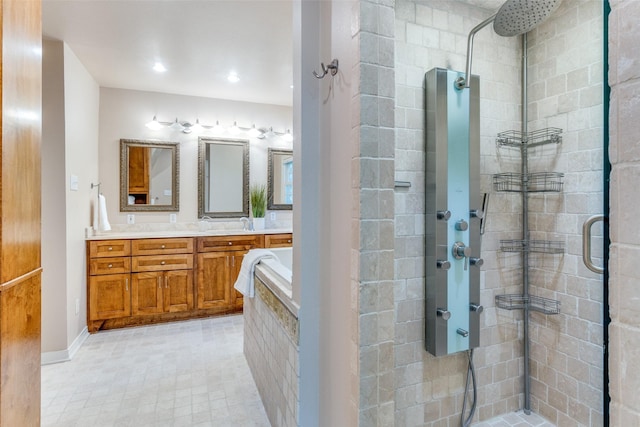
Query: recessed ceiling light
(159, 68)
(233, 77)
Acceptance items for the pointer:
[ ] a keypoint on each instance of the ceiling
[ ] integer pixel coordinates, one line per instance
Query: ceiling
(199, 42)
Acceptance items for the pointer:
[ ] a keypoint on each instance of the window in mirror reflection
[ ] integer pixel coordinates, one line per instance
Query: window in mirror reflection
(148, 175)
(280, 179)
(223, 178)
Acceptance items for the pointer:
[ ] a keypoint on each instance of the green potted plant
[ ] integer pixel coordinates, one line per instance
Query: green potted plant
(258, 198)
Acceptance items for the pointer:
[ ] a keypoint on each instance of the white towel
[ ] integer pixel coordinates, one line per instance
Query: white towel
(244, 284)
(100, 219)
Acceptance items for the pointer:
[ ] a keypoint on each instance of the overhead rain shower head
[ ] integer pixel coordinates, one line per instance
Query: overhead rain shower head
(514, 17)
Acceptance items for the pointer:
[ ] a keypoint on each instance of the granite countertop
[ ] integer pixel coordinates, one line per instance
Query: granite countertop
(157, 234)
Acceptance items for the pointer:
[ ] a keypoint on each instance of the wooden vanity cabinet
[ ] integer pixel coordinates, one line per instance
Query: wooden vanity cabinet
(109, 293)
(162, 276)
(219, 262)
(282, 240)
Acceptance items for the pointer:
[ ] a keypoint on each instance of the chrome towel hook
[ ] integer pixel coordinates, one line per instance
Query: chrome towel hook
(333, 68)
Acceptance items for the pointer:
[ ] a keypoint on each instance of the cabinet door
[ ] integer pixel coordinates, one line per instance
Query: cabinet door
(213, 273)
(138, 169)
(110, 297)
(178, 290)
(147, 292)
(234, 271)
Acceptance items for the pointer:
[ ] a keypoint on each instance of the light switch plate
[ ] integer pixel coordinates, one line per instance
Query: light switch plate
(73, 183)
(273, 216)
(172, 218)
(131, 219)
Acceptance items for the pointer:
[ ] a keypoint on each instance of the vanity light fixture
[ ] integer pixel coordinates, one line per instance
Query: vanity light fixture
(217, 128)
(159, 68)
(234, 130)
(185, 126)
(253, 132)
(233, 77)
(154, 124)
(176, 126)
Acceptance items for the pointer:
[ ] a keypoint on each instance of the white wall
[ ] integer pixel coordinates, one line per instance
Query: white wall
(123, 114)
(70, 147)
(81, 100)
(54, 242)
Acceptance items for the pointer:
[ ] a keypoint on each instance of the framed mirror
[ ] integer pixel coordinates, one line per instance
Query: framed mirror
(149, 177)
(223, 178)
(280, 180)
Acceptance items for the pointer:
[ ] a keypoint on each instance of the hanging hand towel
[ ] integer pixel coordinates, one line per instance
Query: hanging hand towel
(244, 284)
(103, 220)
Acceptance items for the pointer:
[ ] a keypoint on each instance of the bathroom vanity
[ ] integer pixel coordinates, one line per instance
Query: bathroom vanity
(150, 279)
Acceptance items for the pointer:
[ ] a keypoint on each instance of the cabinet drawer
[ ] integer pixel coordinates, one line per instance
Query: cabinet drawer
(230, 243)
(100, 266)
(162, 246)
(161, 262)
(109, 248)
(278, 240)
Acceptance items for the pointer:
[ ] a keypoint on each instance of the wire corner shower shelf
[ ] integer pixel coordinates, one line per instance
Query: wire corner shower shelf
(537, 246)
(513, 138)
(534, 303)
(538, 182)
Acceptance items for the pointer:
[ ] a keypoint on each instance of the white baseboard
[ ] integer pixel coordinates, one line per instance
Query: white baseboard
(51, 357)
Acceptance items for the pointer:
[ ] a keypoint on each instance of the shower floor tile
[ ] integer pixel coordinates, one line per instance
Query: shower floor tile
(516, 419)
(190, 373)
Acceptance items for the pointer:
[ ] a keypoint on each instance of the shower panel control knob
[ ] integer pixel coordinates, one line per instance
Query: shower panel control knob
(444, 314)
(460, 250)
(445, 215)
(476, 213)
(462, 332)
(462, 225)
(476, 261)
(443, 264)
(476, 307)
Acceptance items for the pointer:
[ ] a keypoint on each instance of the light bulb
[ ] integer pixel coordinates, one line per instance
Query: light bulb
(154, 124)
(287, 136)
(176, 126)
(234, 130)
(253, 132)
(217, 128)
(197, 127)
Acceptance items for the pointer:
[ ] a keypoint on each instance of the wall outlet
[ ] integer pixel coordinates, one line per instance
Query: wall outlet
(131, 219)
(273, 216)
(172, 218)
(77, 306)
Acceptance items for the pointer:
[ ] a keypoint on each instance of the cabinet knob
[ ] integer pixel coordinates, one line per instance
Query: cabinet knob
(110, 248)
(289, 241)
(110, 265)
(230, 243)
(161, 262)
(162, 246)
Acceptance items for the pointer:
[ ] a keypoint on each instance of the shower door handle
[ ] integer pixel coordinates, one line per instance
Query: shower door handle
(586, 243)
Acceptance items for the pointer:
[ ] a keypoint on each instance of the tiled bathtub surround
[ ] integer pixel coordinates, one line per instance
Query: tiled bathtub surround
(565, 81)
(271, 336)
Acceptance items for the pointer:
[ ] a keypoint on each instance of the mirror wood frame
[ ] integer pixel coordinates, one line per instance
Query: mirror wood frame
(271, 182)
(202, 149)
(124, 176)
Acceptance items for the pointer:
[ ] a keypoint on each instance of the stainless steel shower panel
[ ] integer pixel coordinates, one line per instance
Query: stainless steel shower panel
(453, 214)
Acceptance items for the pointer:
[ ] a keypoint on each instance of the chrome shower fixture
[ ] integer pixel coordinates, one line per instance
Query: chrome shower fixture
(514, 17)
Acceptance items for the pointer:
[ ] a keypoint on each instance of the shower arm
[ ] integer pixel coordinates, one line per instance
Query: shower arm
(463, 82)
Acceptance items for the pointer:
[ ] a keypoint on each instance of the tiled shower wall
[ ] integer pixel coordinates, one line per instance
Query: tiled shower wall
(565, 91)
(624, 150)
(428, 390)
(565, 81)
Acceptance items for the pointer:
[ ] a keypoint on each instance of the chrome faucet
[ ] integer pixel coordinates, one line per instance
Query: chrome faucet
(247, 224)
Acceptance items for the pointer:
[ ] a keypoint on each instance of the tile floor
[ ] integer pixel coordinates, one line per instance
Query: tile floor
(190, 373)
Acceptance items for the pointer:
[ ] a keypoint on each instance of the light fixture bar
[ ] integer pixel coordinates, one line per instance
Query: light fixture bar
(188, 127)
